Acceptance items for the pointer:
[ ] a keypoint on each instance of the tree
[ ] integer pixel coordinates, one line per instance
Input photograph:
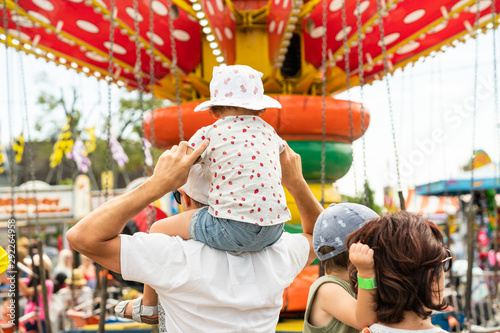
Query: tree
(369, 201)
(126, 121)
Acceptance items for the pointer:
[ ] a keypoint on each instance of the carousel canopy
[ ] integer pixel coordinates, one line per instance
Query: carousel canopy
(485, 178)
(281, 38)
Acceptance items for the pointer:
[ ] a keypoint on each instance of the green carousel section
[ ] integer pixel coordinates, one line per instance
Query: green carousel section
(338, 159)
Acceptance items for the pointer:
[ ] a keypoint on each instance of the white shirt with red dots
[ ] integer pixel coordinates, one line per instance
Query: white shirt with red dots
(242, 165)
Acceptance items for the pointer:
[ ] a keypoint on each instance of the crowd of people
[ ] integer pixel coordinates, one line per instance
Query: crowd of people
(66, 286)
(222, 265)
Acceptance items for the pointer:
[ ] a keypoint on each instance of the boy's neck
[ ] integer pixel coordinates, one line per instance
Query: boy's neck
(237, 111)
(340, 273)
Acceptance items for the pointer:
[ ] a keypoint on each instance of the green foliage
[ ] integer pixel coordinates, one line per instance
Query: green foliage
(56, 108)
(360, 199)
(129, 115)
(127, 121)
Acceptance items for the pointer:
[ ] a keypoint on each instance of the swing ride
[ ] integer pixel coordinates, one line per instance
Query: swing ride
(307, 50)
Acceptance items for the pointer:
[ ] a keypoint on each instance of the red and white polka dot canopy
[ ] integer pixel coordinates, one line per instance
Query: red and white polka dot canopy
(281, 38)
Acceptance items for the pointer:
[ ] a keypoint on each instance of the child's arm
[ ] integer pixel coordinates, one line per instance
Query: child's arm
(361, 256)
(337, 303)
(345, 308)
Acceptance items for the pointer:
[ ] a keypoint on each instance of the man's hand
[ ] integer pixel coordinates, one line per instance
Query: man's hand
(291, 168)
(173, 166)
(361, 256)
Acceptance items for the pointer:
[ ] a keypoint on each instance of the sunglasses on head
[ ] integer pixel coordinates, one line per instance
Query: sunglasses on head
(177, 196)
(447, 261)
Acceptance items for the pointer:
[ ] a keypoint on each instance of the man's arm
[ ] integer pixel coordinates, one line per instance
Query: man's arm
(97, 235)
(309, 208)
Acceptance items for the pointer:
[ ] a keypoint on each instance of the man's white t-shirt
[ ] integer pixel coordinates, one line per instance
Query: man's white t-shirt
(209, 290)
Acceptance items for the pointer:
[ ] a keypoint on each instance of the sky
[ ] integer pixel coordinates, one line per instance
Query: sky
(432, 105)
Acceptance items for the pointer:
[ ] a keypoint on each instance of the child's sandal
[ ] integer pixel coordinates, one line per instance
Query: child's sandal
(138, 311)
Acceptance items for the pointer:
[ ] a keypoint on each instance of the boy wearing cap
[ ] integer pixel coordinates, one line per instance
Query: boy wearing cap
(332, 305)
(246, 201)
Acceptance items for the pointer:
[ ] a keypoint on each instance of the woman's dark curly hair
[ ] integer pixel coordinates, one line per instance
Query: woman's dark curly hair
(408, 254)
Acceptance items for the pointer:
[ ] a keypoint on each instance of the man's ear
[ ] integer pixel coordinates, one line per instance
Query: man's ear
(187, 200)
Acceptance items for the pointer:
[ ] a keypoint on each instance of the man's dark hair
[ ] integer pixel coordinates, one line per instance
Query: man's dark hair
(197, 203)
(408, 255)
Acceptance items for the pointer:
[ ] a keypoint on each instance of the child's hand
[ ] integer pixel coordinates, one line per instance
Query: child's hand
(361, 256)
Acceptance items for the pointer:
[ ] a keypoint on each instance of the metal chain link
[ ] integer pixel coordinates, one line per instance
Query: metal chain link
(323, 101)
(174, 69)
(103, 278)
(497, 132)
(471, 223)
(348, 82)
(11, 163)
(31, 167)
(140, 82)
(151, 213)
(9, 109)
(361, 75)
(476, 54)
(389, 100)
(110, 80)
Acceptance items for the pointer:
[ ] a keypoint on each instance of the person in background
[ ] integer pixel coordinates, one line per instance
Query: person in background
(28, 290)
(64, 263)
(345, 314)
(410, 263)
(88, 269)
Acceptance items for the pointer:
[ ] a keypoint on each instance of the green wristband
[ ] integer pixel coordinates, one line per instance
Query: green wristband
(367, 284)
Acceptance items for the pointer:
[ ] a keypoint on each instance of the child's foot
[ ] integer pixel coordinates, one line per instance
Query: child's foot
(137, 312)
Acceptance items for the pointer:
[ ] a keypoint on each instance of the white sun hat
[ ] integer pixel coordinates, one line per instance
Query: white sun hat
(239, 86)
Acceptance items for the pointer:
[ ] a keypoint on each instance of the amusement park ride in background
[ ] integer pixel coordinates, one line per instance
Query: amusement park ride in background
(307, 51)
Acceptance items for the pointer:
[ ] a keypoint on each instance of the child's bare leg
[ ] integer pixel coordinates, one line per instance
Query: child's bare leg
(177, 225)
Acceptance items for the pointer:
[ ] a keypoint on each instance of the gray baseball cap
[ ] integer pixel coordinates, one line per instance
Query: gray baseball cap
(335, 223)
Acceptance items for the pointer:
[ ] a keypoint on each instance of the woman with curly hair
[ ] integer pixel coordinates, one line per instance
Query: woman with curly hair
(410, 261)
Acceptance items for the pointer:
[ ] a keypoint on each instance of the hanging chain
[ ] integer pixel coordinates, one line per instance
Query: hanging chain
(470, 224)
(140, 82)
(104, 278)
(31, 166)
(391, 114)
(11, 163)
(12, 174)
(362, 98)
(152, 74)
(175, 69)
(110, 80)
(476, 35)
(497, 132)
(151, 213)
(348, 82)
(323, 102)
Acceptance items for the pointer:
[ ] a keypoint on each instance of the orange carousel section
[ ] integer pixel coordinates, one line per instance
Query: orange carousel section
(300, 119)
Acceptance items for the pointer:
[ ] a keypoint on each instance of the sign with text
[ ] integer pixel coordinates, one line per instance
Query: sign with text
(53, 202)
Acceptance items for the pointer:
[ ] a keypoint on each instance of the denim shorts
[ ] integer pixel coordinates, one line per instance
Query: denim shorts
(232, 235)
